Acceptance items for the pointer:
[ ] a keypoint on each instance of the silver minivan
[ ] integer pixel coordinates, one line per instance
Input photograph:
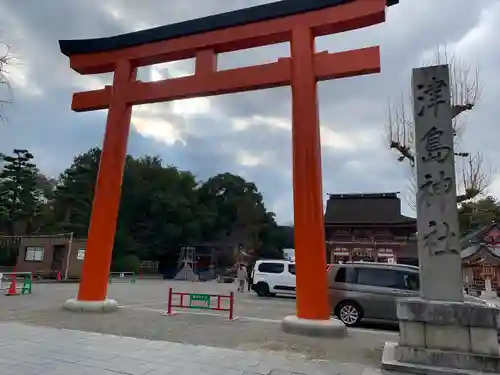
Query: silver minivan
(363, 290)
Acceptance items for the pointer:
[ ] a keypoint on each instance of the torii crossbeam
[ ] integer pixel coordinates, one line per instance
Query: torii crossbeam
(294, 21)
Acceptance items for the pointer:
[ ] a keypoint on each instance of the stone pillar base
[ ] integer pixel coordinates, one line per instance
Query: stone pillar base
(445, 338)
(315, 328)
(105, 306)
(393, 359)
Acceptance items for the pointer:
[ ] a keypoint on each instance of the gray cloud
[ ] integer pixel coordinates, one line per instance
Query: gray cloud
(352, 110)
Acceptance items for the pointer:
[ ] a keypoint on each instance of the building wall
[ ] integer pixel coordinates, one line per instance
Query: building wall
(476, 275)
(468, 275)
(44, 266)
(76, 263)
(383, 244)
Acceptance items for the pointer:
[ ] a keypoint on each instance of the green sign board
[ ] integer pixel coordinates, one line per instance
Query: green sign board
(199, 301)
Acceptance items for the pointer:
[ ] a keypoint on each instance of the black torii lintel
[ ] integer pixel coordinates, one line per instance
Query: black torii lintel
(202, 25)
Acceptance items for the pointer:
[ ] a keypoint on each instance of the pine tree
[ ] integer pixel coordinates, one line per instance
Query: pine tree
(20, 197)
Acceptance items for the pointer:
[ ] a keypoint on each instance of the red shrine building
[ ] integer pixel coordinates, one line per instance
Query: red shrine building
(481, 258)
(369, 227)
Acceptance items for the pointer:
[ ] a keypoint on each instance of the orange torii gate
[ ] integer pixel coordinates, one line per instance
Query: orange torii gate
(294, 21)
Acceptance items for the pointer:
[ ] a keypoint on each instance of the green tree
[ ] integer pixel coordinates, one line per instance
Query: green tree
(234, 202)
(21, 198)
(45, 221)
(47, 185)
(237, 205)
(74, 193)
(477, 214)
(159, 209)
(163, 208)
(274, 239)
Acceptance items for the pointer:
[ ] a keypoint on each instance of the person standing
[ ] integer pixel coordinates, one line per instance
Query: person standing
(241, 275)
(249, 277)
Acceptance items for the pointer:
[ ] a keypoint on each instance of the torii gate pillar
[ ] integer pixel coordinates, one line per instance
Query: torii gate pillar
(293, 21)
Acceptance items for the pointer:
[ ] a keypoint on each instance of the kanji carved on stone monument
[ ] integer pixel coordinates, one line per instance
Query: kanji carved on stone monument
(437, 218)
(434, 147)
(438, 238)
(430, 96)
(435, 185)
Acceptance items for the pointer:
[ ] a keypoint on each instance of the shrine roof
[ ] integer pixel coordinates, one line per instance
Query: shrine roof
(479, 248)
(215, 22)
(481, 253)
(363, 195)
(476, 236)
(366, 208)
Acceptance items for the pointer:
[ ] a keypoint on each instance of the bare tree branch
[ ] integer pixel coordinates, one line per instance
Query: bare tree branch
(475, 177)
(399, 129)
(6, 58)
(465, 87)
(411, 198)
(465, 92)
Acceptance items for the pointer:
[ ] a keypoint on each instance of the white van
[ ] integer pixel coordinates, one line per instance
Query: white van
(272, 277)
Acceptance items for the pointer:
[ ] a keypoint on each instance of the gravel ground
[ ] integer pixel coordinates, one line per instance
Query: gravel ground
(257, 329)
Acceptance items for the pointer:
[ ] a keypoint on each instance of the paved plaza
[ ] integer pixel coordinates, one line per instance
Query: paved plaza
(35, 328)
(28, 350)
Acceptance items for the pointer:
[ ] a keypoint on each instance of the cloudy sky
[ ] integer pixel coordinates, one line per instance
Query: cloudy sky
(247, 134)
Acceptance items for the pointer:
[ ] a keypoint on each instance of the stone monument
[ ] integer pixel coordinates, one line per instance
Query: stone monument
(440, 332)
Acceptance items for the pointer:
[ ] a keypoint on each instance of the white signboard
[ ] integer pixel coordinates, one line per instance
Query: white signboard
(81, 254)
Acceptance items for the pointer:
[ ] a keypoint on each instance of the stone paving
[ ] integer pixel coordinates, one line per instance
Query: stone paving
(257, 329)
(28, 350)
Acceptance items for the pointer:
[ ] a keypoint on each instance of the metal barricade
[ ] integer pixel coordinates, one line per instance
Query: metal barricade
(122, 277)
(23, 282)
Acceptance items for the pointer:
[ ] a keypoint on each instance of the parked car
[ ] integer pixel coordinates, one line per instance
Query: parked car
(364, 290)
(272, 277)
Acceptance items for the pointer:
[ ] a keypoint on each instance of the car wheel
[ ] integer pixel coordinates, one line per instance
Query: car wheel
(349, 313)
(262, 289)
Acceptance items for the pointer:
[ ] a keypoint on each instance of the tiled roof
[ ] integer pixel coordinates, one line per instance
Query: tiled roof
(476, 250)
(481, 253)
(474, 236)
(370, 208)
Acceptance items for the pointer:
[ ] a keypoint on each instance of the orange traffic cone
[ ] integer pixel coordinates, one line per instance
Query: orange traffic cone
(13, 288)
(58, 276)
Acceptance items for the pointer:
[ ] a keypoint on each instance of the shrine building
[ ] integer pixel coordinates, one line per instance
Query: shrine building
(481, 258)
(369, 227)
